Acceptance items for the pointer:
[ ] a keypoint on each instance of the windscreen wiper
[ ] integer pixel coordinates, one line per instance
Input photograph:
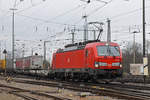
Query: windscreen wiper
(111, 53)
(117, 50)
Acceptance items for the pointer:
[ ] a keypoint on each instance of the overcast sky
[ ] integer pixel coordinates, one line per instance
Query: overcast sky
(37, 20)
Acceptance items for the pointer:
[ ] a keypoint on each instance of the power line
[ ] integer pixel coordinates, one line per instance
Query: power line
(95, 10)
(17, 4)
(49, 21)
(29, 7)
(98, 8)
(126, 13)
(4, 15)
(42, 20)
(64, 13)
(78, 21)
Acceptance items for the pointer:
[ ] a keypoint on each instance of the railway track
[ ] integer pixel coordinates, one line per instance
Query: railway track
(23, 93)
(125, 91)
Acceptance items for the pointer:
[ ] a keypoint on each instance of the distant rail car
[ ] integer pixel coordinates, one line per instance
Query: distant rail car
(30, 62)
(88, 60)
(29, 65)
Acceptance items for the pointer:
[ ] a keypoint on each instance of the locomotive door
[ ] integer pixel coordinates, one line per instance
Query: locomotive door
(89, 57)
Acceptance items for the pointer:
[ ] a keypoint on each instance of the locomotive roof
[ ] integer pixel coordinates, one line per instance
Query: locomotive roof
(88, 42)
(81, 45)
(102, 43)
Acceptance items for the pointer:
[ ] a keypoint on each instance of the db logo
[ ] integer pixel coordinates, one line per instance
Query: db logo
(68, 60)
(109, 64)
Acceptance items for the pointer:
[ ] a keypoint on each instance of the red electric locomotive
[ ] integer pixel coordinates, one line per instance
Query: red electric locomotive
(88, 60)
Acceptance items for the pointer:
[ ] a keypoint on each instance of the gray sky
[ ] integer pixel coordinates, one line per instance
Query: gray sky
(40, 20)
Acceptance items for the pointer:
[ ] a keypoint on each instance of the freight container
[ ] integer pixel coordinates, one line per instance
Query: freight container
(30, 62)
(2, 65)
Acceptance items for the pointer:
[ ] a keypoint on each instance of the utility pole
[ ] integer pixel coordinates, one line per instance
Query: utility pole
(23, 51)
(13, 30)
(85, 29)
(32, 52)
(73, 33)
(108, 31)
(72, 37)
(45, 52)
(134, 46)
(144, 28)
(145, 59)
(134, 32)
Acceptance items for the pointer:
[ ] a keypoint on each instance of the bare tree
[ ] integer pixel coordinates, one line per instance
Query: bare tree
(128, 55)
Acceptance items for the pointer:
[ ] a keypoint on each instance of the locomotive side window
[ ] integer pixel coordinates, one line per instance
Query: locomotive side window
(86, 53)
(54, 57)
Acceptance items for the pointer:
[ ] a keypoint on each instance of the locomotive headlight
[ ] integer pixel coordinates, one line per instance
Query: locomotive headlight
(116, 64)
(102, 64)
(120, 65)
(96, 64)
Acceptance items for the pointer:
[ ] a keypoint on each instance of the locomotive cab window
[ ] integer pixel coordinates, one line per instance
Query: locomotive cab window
(108, 51)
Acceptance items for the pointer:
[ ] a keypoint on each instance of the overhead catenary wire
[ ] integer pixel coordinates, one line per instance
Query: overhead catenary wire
(6, 12)
(95, 10)
(17, 4)
(66, 12)
(52, 22)
(127, 13)
(65, 24)
(98, 8)
(45, 21)
(32, 6)
(89, 13)
(63, 14)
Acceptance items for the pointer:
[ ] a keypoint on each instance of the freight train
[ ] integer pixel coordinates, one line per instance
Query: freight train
(90, 60)
(32, 65)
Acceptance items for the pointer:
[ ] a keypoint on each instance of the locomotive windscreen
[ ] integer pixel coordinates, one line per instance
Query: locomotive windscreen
(108, 50)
